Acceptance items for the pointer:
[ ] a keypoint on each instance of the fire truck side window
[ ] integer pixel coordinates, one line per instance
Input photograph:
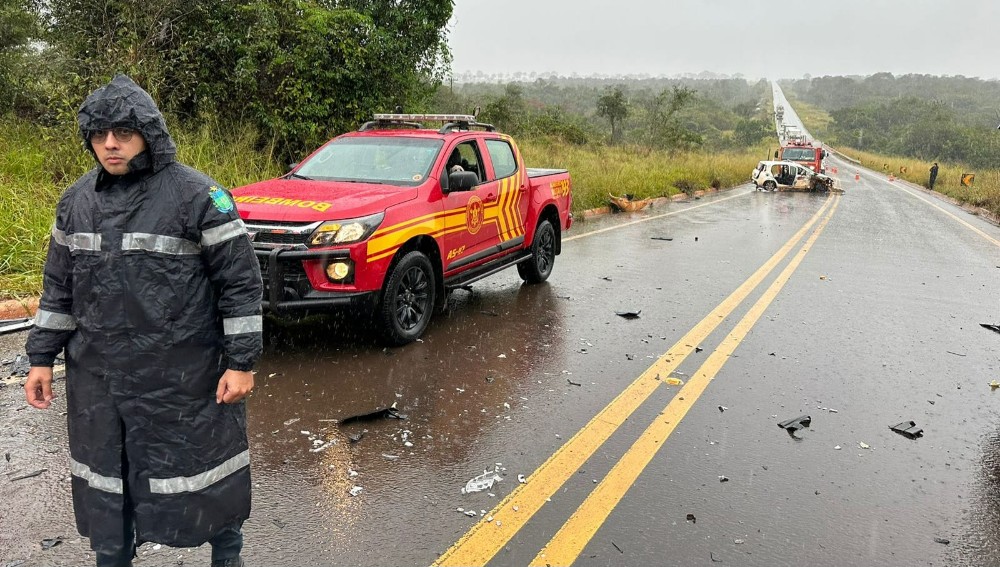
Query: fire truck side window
(466, 156)
(502, 156)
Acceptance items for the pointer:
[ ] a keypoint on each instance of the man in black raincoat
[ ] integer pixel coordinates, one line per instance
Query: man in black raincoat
(152, 288)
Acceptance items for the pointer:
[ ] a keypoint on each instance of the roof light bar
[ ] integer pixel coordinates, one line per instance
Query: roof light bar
(427, 117)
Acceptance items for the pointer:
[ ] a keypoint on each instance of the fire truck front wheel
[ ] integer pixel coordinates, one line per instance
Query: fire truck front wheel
(407, 300)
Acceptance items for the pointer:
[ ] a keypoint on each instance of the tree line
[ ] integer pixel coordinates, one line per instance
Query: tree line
(932, 118)
(713, 114)
(300, 70)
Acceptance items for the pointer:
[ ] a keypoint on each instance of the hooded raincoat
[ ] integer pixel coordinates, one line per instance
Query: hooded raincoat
(152, 288)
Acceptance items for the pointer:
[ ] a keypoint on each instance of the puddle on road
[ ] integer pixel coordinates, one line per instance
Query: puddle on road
(466, 376)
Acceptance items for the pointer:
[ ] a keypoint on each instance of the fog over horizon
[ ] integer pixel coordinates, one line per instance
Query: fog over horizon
(711, 38)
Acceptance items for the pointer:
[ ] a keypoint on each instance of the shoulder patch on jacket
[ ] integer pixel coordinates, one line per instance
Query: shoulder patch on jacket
(221, 199)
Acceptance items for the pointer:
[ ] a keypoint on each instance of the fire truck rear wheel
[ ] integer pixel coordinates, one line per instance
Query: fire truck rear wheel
(407, 300)
(543, 255)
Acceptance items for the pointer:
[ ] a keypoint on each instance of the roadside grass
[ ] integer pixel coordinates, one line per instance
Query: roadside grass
(38, 163)
(985, 190)
(642, 172)
(984, 193)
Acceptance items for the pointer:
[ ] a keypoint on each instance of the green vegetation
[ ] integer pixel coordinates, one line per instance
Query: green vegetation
(37, 163)
(900, 125)
(250, 85)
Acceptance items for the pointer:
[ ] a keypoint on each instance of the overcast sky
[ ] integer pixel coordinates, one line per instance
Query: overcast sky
(758, 38)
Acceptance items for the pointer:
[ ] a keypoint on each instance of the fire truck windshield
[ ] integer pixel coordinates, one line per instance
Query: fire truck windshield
(798, 154)
(389, 161)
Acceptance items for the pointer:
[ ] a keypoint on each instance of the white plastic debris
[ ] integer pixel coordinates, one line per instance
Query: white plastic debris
(521, 479)
(837, 448)
(352, 473)
(481, 482)
(323, 446)
(356, 490)
(863, 445)
(502, 355)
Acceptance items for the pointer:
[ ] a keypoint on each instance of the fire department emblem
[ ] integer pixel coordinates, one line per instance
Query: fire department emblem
(474, 215)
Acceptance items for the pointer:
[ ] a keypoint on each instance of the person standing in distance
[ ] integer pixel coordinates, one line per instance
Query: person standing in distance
(933, 178)
(152, 288)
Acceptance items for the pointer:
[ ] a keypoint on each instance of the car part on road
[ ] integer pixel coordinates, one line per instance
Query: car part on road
(32, 474)
(15, 325)
(795, 424)
(482, 482)
(668, 239)
(994, 328)
(907, 429)
(384, 413)
(628, 314)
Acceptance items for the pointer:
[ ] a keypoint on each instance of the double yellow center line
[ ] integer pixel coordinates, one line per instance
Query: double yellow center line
(481, 543)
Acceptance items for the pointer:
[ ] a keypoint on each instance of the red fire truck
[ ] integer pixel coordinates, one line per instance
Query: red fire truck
(395, 215)
(804, 153)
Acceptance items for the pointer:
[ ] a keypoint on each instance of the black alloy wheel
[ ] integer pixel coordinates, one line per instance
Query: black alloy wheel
(543, 252)
(408, 299)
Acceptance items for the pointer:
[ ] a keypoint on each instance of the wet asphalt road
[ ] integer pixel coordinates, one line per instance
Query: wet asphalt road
(877, 318)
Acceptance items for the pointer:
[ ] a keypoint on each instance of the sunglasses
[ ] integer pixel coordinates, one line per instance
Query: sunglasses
(121, 134)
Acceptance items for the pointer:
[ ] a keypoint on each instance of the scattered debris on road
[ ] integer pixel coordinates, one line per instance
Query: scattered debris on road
(674, 381)
(691, 518)
(955, 353)
(521, 479)
(723, 478)
(661, 238)
(572, 383)
(356, 490)
(994, 328)
(628, 314)
(384, 413)
(31, 474)
(357, 436)
(907, 429)
(993, 386)
(722, 408)
(795, 424)
(616, 547)
(863, 445)
(15, 325)
(942, 540)
(49, 543)
(482, 482)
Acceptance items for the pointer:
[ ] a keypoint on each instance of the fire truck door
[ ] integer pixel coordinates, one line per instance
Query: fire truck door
(470, 231)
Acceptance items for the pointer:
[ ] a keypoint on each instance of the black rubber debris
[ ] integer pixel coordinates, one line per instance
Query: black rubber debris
(907, 429)
(795, 424)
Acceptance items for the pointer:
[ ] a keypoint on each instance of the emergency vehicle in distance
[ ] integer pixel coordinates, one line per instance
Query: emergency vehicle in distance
(804, 153)
(393, 216)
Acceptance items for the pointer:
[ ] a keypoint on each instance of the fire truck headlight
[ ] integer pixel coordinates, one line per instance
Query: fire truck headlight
(345, 231)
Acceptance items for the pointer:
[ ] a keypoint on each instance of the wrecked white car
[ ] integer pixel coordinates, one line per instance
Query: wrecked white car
(790, 176)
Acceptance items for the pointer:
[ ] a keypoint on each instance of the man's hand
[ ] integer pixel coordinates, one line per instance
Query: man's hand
(38, 387)
(233, 386)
